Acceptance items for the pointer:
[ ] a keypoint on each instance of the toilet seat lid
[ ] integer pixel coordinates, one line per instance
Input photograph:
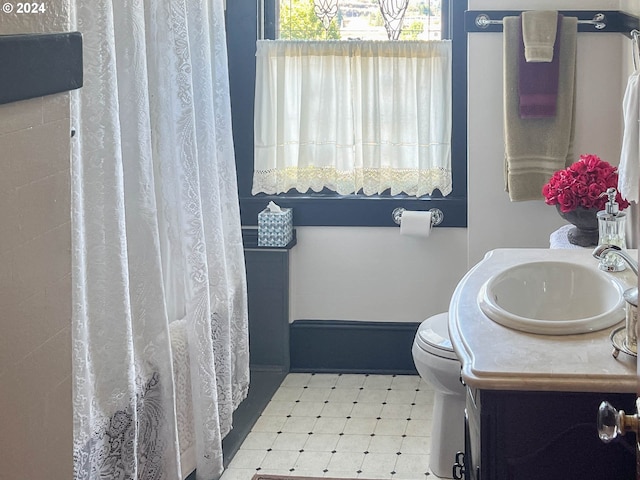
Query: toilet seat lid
(433, 336)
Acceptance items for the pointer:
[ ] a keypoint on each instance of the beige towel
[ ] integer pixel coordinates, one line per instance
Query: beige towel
(537, 147)
(539, 34)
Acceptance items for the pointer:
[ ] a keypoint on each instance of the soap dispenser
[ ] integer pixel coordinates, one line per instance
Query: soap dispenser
(611, 230)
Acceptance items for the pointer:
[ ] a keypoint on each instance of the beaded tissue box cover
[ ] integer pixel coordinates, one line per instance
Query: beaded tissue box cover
(275, 229)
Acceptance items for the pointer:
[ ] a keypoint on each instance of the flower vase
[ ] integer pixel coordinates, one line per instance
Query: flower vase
(585, 226)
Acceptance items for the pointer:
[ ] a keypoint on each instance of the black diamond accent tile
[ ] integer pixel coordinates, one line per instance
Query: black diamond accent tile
(333, 388)
(298, 401)
(361, 388)
(378, 418)
(310, 433)
(409, 418)
(268, 449)
(384, 403)
(389, 389)
(305, 387)
(278, 433)
(341, 433)
(372, 435)
(393, 472)
(288, 416)
(348, 417)
(417, 389)
(403, 435)
(301, 450)
(355, 402)
(291, 469)
(358, 471)
(326, 401)
(258, 469)
(398, 453)
(413, 404)
(367, 452)
(333, 451)
(325, 470)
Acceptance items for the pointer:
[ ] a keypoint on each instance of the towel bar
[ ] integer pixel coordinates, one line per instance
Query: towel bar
(599, 21)
(594, 21)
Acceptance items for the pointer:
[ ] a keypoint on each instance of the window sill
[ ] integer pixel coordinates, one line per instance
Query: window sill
(352, 210)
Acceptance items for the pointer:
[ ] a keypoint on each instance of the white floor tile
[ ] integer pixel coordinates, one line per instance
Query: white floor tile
(372, 396)
(379, 462)
(307, 409)
(353, 443)
(315, 394)
(238, 474)
(298, 424)
(391, 426)
(326, 380)
(404, 397)
(360, 425)
(259, 440)
(418, 428)
(296, 380)
(396, 410)
(248, 458)
(333, 425)
(405, 382)
(337, 409)
(346, 461)
(366, 410)
(290, 441)
(275, 407)
(418, 445)
(378, 381)
(385, 444)
(347, 395)
(412, 463)
(279, 460)
(316, 461)
(350, 381)
(269, 424)
(321, 442)
(288, 394)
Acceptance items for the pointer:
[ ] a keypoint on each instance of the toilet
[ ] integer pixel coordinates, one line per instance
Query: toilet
(438, 365)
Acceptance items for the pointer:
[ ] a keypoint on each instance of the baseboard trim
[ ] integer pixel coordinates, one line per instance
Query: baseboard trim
(343, 346)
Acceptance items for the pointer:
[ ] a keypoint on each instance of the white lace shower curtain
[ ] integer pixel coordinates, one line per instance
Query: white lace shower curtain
(351, 115)
(157, 247)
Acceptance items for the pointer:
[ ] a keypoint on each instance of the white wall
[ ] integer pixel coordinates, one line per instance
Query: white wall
(35, 275)
(346, 273)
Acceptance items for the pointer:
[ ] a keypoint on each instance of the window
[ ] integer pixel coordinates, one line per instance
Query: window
(327, 207)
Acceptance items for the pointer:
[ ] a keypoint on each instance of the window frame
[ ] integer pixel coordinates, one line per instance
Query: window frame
(248, 20)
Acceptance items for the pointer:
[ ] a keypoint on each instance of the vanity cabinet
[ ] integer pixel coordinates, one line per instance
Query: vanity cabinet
(520, 435)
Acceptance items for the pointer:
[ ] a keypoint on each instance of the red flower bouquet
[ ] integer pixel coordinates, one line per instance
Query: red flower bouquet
(582, 185)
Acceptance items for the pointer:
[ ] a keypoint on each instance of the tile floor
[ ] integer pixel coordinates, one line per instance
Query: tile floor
(342, 426)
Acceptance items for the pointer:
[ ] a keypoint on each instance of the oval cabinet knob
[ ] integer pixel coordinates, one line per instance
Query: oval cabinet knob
(612, 422)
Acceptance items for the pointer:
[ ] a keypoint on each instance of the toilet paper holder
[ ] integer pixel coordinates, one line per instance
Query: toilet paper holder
(436, 216)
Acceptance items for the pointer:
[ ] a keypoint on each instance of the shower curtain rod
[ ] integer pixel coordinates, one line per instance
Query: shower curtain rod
(610, 21)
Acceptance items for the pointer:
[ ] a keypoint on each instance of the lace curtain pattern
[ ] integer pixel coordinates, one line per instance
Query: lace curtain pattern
(157, 245)
(351, 115)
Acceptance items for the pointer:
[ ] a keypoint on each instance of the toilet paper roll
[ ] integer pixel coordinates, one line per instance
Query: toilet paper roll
(417, 224)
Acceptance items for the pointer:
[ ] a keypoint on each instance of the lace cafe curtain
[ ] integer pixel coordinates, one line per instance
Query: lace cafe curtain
(353, 116)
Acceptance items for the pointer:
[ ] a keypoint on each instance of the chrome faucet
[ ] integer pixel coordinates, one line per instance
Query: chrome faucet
(602, 250)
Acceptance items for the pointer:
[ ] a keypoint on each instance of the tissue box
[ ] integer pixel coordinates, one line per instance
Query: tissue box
(275, 229)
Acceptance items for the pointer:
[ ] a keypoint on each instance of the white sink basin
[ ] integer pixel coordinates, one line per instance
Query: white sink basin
(552, 298)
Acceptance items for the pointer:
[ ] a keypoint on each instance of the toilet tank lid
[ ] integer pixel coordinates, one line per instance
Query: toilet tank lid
(434, 332)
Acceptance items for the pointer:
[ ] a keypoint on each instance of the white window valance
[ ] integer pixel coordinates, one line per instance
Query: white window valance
(353, 115)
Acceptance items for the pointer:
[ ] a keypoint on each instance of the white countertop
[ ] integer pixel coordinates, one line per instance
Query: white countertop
(499, 358)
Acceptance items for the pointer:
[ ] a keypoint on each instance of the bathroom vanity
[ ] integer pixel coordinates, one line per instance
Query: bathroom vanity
(532, 398)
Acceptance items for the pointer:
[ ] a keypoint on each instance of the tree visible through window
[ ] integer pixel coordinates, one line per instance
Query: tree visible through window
(360, 19)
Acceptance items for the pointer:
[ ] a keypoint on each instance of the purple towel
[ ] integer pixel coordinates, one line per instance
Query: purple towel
(538, 82)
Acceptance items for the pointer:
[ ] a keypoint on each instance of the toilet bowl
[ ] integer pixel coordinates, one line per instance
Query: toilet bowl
(439, 366)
